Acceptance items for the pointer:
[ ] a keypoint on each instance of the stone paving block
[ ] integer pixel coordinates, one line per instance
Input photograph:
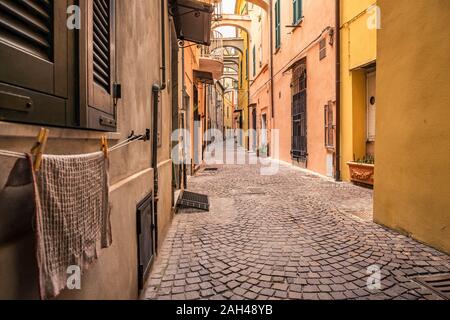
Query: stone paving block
(299, 240)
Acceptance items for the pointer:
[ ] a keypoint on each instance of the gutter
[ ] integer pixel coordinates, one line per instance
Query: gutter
(338, 91)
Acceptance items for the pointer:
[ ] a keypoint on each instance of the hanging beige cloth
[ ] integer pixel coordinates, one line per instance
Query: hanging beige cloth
(73, 222)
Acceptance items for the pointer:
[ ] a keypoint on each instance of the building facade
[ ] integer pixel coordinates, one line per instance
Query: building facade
(117, 73)
(358, 27)
(75, 131)
(292, 92)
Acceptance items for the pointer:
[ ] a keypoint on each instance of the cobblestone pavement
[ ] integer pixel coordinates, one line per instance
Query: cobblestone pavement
(292, 235)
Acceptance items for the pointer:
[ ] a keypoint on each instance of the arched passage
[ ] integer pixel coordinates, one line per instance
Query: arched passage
(224, 47)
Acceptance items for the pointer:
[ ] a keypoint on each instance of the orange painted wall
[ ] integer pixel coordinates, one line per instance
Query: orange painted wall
(298, 43)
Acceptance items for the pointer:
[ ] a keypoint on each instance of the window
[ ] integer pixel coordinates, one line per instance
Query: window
(329, 125)
(297, 11)
(277, 24)
(39, 82)
(254, 61)
(299, 112)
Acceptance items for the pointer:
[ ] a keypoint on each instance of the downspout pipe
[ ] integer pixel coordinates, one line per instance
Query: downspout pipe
(338, 91)
(156, 91)
(163, 46)
(272, 99)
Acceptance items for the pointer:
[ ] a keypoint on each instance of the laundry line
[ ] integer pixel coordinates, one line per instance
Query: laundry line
(131, 139)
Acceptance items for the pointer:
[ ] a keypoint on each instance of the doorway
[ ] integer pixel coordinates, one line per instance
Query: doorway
(263, 130)
(371, 102)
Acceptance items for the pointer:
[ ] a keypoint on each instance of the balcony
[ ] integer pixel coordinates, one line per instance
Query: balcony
(211, 57)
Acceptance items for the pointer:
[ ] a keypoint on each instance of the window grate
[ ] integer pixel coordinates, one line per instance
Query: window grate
(439, 284)
(28, 25)
(299, 120)
(146, 235)
(193, 200)
(102, 44)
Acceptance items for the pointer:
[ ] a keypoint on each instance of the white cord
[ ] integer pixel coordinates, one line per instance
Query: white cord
(18, 155)
(12, 154)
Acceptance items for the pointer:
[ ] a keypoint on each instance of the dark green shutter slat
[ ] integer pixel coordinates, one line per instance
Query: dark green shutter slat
(254, 60)
(277, 24)
(28, 26)
(102, 44)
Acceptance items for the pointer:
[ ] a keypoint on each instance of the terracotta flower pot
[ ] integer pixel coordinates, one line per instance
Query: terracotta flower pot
(362, 173)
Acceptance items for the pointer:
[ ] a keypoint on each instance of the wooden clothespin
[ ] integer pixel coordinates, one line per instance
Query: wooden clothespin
(105, 148)
(38, 150)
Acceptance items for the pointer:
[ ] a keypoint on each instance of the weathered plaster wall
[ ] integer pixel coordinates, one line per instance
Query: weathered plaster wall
(114, 275)
(413, 141)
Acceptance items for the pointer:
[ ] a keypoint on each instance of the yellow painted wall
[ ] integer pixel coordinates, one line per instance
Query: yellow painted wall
(358, 49)
(227, 112)
(412, 193)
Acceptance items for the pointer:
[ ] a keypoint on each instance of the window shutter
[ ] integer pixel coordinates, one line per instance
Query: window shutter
(34, 58)
(97, 65)
(329, 125)
(299, 10)
(277, 24)
(246, 64)
(295, 11)
(322, 49)
(254, 61)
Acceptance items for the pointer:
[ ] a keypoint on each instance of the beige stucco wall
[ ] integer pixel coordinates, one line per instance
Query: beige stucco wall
(413, 133)
(114, 275)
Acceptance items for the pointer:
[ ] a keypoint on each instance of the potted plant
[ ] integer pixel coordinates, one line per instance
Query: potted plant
(262, 151)
(362, 171)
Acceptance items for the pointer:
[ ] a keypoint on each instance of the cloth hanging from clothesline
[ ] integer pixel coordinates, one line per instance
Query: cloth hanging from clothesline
(17, 201)
(73, 220)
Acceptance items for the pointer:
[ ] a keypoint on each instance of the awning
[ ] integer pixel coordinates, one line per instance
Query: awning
(192, 20)
(203, 76)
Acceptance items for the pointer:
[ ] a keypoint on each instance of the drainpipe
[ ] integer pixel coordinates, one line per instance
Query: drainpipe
(271, 58)
(272, 99)
(183, 103)
(163, 46)
(338, 90)
(156, 91)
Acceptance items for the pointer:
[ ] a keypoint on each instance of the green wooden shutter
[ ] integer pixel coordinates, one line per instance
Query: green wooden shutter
(254, 61)
(97, 66)
(277, 24)
(34, 61)
(247, 66)
(297, 11)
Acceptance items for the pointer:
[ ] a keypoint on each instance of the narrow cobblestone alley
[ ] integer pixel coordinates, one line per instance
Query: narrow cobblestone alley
(292, 235)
